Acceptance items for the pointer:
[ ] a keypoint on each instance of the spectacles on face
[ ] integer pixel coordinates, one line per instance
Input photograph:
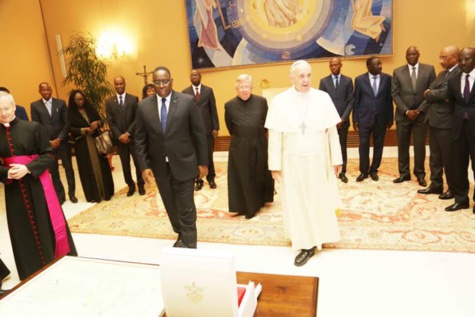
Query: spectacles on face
(161, 82)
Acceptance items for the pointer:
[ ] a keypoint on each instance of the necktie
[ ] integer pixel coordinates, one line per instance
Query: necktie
(164, 114)
(447, 72)
(413, 77)
(197, 95)
(121, 103)
(337, 82)
(466, 90)
(375, 86)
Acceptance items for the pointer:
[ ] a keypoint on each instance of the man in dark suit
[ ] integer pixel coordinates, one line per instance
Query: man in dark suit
(172, 150)
(20, 111)
(372, 115)
(439, 115)
(408, 86)
(121, 110)
(204, 98)
(53, 114)
(340, 89)
(461, 94)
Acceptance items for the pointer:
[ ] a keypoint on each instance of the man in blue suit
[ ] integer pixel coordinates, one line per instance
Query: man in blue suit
(372, 115)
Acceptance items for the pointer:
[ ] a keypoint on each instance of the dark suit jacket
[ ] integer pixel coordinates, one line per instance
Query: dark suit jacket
(404, 95)
(121, 121)
(20, 113)
(185, 142)
(461, 107)
(369, 107)
(439, 111)
(57, 124)
(207, 105)
(343, 98)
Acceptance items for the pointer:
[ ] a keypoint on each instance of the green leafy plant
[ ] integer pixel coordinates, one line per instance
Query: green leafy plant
(86, 71)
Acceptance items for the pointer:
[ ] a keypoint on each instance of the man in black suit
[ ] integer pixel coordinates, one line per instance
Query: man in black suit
(204, 98)
(171, 144)
(461, 94)
(340, 89)
(121, 110)
(372, 115)
(408, 86)
(439, 115)
(53, 114)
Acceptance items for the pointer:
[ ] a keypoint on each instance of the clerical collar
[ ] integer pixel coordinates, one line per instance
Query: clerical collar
(7, 125)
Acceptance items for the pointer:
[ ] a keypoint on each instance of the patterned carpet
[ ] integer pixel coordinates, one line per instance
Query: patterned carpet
(375, 215)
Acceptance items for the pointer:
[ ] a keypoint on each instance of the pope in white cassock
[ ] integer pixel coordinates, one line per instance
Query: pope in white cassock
(305, 157)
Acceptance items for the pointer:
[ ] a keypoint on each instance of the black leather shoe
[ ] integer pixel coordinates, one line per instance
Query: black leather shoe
(374, 176)
(62, 201)
(199, 185)
(250, 215)
(447, 195)
(73, 199)
(401, 179)
(473, 210)
(430, 190)
(361, 177)
(304, 256)
(141, 190)
(212, 185)
(131, 191)
(457, 206)
(343, 178)
(422, 182)
(178, 239)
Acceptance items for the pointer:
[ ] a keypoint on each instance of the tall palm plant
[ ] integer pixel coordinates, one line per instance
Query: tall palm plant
(86, 71)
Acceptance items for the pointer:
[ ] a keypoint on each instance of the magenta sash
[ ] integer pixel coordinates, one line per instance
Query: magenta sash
(54, 207)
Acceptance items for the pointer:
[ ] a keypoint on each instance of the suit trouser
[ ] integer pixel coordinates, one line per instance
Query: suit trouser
(441, 146)
(418, 129)
(464, 150)
(177, 196)
(211, 171)
(343, 135)
(378, 132)
(63, 152)
(125, 151)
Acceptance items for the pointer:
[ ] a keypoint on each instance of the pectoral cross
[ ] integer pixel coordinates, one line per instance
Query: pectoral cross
(144, 74)
(303, 126)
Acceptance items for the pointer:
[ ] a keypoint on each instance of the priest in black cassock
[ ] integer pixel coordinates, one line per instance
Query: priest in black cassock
(250, 184)
(38, 230)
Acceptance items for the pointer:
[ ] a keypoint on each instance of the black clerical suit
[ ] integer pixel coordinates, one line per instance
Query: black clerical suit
(57, 125)
(173, 156)
(343, 99)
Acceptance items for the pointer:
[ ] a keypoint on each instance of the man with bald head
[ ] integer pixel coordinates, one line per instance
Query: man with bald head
(121, 109)
(461, 95)
(408, 85)
(305, 157)
(439, 117)
(53, 114)
(340, 89)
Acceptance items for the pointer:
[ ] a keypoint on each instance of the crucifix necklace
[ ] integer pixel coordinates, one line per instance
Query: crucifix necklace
(302, 125)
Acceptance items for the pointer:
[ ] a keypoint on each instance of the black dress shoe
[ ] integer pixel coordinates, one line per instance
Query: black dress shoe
(374, 176)
(62, 201)
(343, 178)
(304, 256)
(430, 190)
(131, 191)
(250, 215)
(401, 179)
(199, 185)
(141, 190)
(422, 182)
(361, 177)
(212, 185)
(473, 210)
(447, 195)
(73, 199)
(178, 239)
(457, 206)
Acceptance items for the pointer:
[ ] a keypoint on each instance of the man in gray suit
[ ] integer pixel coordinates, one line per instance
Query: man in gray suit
(408, 85)
(53, 114)
(121, 109)
(172, 150)
(340, 89)
(204, 98)
(439, 116)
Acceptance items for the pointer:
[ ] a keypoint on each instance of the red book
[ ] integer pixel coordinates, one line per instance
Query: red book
(241, 290)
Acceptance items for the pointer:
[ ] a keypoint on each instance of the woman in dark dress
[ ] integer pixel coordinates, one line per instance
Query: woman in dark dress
(94, 169)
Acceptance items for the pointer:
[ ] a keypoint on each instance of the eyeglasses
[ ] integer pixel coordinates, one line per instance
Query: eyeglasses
(161, 82)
